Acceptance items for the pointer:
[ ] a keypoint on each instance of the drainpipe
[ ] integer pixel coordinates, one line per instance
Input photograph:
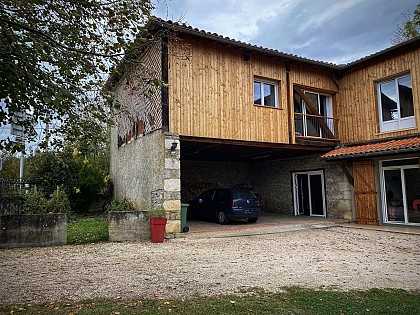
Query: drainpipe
(288, 101)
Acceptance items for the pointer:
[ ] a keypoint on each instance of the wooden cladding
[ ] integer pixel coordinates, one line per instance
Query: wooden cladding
(211, 92)
(357, 106)
(365, 193)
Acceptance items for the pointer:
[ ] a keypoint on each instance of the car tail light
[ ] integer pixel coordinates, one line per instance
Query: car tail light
(257, 202)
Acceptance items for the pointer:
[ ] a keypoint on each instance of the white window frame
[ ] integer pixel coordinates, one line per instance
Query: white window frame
(296, 209)
(276, 88)
(328, 114)
(384, 206)
(400, 123)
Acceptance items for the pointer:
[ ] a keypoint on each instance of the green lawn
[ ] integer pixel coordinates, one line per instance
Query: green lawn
(87, 230)
(295, 301)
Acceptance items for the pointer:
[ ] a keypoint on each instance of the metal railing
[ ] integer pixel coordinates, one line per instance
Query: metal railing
(13, 187)
(313, 126)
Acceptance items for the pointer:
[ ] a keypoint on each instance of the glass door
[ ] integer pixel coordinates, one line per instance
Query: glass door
(401, 194)
(309, 193)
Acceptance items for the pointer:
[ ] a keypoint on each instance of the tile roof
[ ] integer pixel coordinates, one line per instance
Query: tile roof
(185, 28)
(394, 146)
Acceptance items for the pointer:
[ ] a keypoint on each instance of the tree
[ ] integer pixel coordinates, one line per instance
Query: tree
(410, 28)
(55, 56)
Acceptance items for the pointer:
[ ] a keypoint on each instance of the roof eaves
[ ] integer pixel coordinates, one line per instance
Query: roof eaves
(411, 42)
(184, 28)
(369, 154)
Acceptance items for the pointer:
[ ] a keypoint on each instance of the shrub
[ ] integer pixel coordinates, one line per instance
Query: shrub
(59, 202)
(34, 202)
(120, 204)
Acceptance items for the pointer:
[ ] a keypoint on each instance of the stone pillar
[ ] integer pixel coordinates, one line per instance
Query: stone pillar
(172, 183)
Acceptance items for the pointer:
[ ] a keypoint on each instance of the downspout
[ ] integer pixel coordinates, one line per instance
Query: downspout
(288, 103)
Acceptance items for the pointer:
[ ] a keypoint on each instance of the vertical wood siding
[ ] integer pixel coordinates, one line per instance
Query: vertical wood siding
(211, 91)
(357, 100)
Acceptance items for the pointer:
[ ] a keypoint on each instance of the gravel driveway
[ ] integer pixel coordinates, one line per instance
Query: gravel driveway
(335, 258)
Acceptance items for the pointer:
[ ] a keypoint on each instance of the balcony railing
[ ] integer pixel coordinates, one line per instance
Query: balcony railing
(313, 126)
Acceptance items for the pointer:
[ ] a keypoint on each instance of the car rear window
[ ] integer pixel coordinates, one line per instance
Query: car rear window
(243, 194)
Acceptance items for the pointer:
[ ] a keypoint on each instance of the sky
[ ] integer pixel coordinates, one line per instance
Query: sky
(337, 31)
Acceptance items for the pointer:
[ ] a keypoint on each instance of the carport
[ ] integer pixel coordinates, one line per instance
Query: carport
(264, 167)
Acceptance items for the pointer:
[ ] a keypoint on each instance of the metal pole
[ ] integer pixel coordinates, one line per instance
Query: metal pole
(22, 163)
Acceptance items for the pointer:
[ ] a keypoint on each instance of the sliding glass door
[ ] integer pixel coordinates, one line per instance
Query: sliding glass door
(308, 193)
(401, 191)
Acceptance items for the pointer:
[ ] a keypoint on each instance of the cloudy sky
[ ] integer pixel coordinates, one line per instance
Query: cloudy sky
(338, 31)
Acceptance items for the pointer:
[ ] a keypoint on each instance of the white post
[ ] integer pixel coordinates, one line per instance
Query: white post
(22, 162)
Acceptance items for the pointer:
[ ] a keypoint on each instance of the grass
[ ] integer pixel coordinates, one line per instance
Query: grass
(87, 230)
(296, 301)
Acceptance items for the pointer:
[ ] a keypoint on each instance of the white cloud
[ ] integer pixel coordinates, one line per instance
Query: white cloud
(238, 19)
(327, 13)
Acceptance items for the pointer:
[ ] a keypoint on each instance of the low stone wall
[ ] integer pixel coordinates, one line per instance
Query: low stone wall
(128, 226)
(27, 230)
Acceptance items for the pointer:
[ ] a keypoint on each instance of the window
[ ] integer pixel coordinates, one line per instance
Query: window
(395, 98)
(308, 124)
(265, 93)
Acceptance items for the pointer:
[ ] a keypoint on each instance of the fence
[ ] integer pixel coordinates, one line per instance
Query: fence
(10, 194)
(307, 125)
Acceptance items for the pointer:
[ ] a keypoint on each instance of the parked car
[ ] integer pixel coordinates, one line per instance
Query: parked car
(225, 204)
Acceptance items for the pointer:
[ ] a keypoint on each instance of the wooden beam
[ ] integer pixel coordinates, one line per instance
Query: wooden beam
(189, 139)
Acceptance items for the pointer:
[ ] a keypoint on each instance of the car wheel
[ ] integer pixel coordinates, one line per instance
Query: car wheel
(222, 218)
(252, 220)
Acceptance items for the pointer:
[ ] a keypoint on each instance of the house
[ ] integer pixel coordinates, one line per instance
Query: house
(313, 138)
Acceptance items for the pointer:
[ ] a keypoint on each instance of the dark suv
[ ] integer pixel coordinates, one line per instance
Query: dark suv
(224, 204)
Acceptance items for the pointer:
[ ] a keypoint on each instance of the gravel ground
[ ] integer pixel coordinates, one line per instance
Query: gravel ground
(335, 258)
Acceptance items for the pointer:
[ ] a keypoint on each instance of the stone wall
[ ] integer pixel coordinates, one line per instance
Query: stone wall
(172, 183)
(27, 230)
(137, 168)
(273, 180)
(197, 176)
(128, 226)
(146, 171)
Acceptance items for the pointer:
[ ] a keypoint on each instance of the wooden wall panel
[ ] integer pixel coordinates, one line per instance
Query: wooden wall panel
(211, 91)
(357, 106)
(365, 193)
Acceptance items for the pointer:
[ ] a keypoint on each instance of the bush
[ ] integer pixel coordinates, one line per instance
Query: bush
(83, 178)
(120, 204)
(59, 202)
(34, 202)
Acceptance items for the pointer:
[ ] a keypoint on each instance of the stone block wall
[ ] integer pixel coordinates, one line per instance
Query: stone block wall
(273, 180)
(198, 176)
(171, 200)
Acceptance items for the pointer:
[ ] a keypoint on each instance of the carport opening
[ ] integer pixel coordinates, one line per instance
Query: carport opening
(215, 163)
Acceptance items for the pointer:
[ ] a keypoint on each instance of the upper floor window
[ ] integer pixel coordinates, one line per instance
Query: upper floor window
(395, 99)
(265, 93)
(313, 114)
